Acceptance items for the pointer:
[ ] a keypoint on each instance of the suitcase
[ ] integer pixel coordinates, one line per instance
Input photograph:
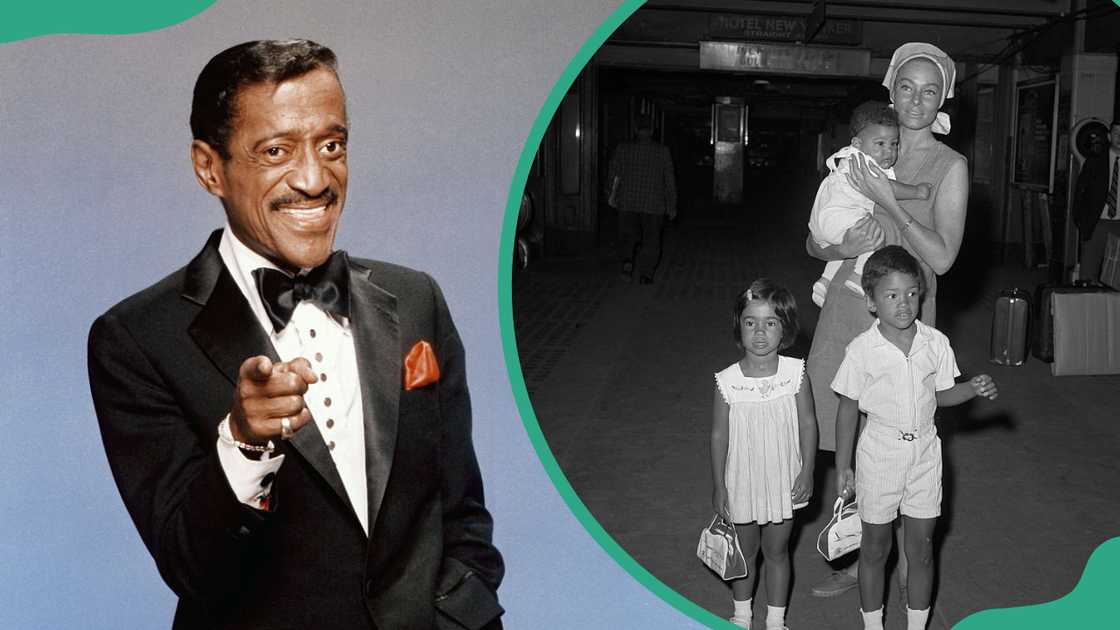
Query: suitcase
(1086, 333)
(1110, 267)
(1010, 327)
(1043, 346)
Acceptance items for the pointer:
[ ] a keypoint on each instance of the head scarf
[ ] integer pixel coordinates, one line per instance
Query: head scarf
(920, 50)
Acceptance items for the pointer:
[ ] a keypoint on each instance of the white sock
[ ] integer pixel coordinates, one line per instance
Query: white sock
(775, 617)
(873, 620)
(916, 619)
(743, 609)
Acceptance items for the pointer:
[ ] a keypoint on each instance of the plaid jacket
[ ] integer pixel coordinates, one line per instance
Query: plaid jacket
(646, 181)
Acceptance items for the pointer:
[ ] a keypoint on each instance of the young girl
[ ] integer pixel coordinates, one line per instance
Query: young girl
(764, 441)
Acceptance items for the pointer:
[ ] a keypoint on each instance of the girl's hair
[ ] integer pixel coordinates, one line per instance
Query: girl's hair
(891, 258)
(780, 299)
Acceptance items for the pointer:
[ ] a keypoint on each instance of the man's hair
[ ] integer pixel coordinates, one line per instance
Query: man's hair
(872, 113)
(888, 259)
(214, 106)
(780, 299)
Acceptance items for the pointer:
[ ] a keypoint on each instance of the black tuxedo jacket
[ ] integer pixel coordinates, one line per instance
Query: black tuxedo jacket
(1089, 193)
(162, 367)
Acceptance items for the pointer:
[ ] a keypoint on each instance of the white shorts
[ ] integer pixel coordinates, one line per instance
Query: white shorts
(895, 475)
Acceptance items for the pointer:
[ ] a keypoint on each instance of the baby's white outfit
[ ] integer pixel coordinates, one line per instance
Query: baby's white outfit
(837, 207)
(764, 446)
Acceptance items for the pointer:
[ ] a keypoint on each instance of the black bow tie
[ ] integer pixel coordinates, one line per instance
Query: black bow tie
(327, 286)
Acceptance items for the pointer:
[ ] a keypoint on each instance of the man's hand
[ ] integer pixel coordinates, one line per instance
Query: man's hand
(267, 393)
(924, 190)
(984, 386)
(865, 236)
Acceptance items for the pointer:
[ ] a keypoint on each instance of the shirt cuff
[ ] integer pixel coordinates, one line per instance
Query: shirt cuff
(250, 480)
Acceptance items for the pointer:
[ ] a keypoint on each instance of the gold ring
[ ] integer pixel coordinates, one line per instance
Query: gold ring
(286, 428)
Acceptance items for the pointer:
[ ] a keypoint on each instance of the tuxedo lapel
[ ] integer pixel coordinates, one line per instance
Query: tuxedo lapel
(226, 328)
(228, 332)
(376, 330)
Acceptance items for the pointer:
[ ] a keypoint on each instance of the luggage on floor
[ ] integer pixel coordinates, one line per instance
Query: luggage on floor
(1110, 267)
(1086, 333)
(1043, 346)
(1010, 325)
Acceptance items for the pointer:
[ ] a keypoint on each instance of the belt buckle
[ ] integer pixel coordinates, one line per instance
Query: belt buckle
(906, 436)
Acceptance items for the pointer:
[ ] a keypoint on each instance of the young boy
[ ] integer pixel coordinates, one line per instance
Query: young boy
(897, 372)
(838, 206)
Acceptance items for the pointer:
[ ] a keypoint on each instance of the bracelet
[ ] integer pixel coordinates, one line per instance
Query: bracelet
(907, 226)
(266, 448)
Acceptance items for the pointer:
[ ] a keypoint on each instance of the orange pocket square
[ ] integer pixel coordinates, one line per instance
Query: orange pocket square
(420, 366)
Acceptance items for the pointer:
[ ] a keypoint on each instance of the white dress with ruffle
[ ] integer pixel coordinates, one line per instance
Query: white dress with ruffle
(764, 449)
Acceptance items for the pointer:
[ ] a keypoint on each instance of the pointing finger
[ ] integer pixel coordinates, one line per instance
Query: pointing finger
(302, 367)
(258, 368)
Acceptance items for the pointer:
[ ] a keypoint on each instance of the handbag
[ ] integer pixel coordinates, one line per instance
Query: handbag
(719, 550)
(843, 532)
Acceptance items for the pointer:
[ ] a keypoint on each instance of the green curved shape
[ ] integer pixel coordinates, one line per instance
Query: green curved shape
(32, 19)
(1085, 604)
(1091, 602)
(509, 341)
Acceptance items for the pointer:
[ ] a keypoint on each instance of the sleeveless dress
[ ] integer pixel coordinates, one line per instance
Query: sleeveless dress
(845, 315)
(763, 445)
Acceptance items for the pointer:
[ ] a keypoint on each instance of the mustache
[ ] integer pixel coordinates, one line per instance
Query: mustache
(327, 197)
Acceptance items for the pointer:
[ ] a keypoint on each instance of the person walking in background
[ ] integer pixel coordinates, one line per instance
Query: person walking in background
(643, 188)
(1095, 202)
(764, 444)
(898, 372)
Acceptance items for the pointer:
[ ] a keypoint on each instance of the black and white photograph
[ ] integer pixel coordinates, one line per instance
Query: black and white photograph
(817, 306)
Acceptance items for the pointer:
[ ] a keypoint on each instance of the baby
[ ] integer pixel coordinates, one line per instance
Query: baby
(838, 206)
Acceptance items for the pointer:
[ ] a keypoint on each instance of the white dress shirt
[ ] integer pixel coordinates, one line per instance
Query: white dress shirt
(335, 402)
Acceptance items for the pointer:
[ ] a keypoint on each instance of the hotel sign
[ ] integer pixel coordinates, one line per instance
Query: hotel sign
(779, 59)
(786, 28)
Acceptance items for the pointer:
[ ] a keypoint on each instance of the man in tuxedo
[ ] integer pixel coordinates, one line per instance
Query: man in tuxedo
(1095, 207)
(290, 428)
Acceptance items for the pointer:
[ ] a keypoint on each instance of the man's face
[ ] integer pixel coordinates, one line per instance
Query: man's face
(284, 183)
(880, 142)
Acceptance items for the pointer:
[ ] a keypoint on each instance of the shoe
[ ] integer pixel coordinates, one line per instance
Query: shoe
(645, 280)
(836, 584)
(741, 622)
